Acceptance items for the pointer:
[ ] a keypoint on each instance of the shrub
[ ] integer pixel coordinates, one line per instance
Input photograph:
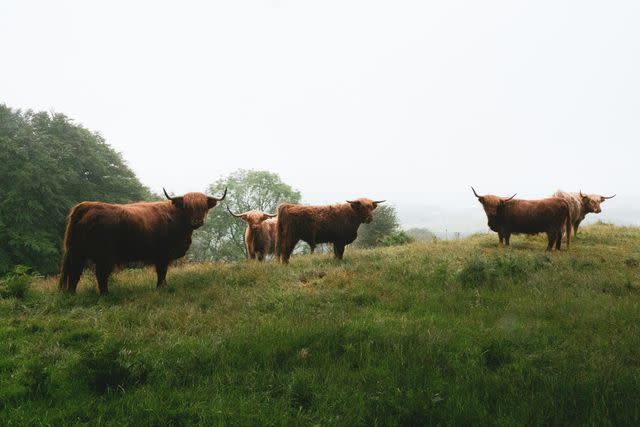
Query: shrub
(16, 283)
(106, 369)
(475, 272)
(396, 238)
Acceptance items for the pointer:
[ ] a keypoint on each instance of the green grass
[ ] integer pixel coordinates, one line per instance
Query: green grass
(461, 332)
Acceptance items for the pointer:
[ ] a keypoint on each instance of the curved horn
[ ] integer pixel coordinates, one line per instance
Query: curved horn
(236, 215)
(223, 196)
(581, 195)
(165, 194)
(351, 201)
(506, 200)
(271, 215)
(474, 192)
(608, 197)
(379, 201)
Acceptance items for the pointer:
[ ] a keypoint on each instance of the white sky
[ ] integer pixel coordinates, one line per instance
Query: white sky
(408, 101)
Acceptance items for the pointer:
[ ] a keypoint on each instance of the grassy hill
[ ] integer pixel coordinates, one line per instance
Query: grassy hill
(459, 332)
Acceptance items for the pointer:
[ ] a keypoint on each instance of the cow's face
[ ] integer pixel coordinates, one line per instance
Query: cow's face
(494, 207)
(195, 206)
(254, 219)
(364, 208)
(591, 202)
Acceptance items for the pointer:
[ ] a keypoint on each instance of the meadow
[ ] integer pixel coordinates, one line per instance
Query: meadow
(457, 332)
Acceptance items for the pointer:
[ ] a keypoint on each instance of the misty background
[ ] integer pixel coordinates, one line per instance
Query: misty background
(412, 102)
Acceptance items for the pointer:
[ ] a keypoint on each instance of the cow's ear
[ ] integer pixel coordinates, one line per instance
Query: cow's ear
(178, 201)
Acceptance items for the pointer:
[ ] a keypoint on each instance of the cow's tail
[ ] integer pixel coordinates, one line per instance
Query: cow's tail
(568, 225)
(281, 232)
(68, 261)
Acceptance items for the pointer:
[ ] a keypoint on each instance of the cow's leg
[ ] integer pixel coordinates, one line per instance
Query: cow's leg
(551, 237)
(558, 239)
(338, 249)
(252, 255)
(103, 271)
(74, 275)
(312, 247)
(575, 228)
(260, 256)
(287, 249)
(507, 237)
(161, 272)
(501, 237)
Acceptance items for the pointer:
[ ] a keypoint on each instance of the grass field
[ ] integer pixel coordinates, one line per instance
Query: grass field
(454, 333)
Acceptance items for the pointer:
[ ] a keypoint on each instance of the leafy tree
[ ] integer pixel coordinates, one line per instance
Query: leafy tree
(48, 165)
(385, 223)
(222, 236)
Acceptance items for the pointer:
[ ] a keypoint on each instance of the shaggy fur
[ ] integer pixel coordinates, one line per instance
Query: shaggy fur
(337, 224)
(514, 216)
(112, 234)
(260, 234)
(581, 204)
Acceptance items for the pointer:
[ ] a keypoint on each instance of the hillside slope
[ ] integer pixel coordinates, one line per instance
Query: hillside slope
(459, 332)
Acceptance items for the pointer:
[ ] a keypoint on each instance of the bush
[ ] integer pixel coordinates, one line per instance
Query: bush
(396, 238)
(16, 283)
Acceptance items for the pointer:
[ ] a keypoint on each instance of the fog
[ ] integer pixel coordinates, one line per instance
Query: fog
(412, 102)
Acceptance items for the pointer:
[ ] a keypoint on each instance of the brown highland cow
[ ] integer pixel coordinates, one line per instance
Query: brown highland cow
(337, 224)
(581, 204)
(112, 234)
(260, 234)
(508, 216)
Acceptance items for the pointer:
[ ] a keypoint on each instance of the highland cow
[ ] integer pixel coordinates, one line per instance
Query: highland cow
(154, 233)
(260, 234)
(581, 204)
(337, 224)
(508, 216)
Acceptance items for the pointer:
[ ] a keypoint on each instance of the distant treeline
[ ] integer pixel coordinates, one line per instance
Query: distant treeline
(50, 163)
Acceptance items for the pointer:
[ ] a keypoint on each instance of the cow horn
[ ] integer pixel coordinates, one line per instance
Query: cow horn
(223, 196)
(474, 192)
(236, 215)
(351, 201)
(506, 200)
(271, 215)
(165, 194)
(608, 197)
(379, 201)
(581, 195)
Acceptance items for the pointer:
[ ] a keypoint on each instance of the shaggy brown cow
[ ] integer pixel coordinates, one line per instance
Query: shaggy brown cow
(148, 232)
(508, 215)
(581, 204)
(337, 224)
(260, 235)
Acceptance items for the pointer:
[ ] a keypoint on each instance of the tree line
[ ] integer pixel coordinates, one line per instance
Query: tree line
(49, 164)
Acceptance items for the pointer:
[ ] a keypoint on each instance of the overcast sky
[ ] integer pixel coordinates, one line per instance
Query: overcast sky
(408, 101)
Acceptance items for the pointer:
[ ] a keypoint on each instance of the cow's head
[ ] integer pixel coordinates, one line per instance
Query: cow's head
(364, 208)
(195, 206)
(253, 219)
(494, 207)
(591, 202)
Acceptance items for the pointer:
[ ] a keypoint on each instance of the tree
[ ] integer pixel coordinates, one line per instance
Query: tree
(385, 223)
(222, 236)
(48, 165)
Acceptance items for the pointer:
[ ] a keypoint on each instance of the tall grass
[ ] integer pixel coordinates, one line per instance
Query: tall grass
(460, 332)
